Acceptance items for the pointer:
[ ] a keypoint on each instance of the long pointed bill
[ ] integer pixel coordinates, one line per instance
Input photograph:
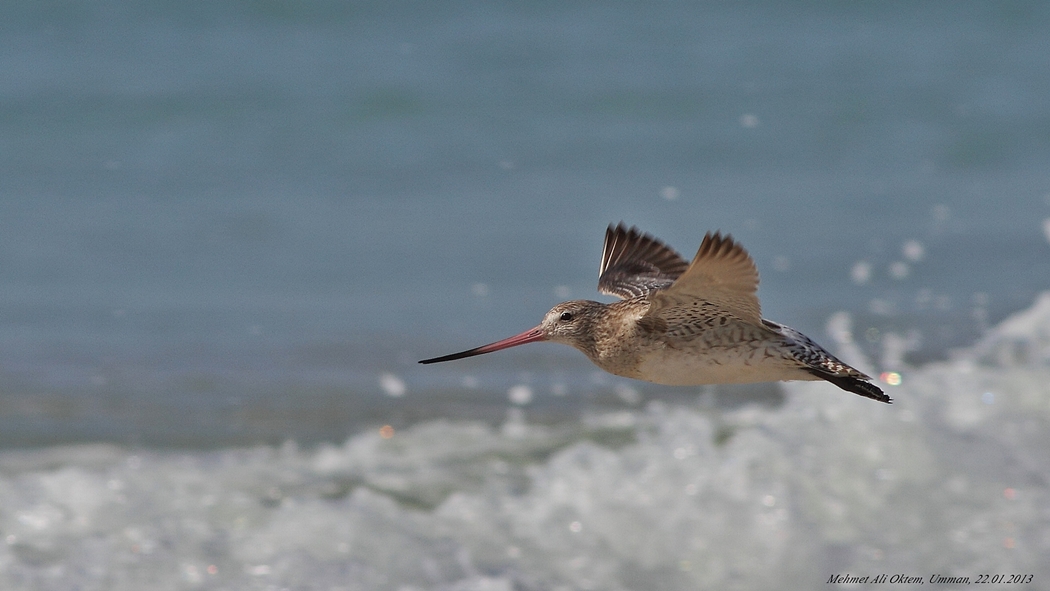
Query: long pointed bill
(529, 336)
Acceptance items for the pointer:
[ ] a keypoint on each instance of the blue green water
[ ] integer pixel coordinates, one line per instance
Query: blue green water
(230, 229)
(247, 209)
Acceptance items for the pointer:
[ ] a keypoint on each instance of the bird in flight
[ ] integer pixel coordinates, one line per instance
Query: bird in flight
(683, 324)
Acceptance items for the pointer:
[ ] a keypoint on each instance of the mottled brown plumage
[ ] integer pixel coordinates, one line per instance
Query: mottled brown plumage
(683, 324)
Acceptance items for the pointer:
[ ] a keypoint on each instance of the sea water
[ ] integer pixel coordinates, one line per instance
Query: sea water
(951, 479)
(231, 229)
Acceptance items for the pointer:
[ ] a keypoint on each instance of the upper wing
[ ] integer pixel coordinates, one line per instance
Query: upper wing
(635, 264)
(722, 274)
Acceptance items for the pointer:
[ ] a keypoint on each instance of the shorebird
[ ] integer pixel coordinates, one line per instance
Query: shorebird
(683, 324)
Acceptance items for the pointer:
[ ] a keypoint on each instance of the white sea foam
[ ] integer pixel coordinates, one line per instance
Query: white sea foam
(952, 479)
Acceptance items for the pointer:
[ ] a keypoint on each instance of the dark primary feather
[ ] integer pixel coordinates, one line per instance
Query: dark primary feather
(635, 264)
(855, 385)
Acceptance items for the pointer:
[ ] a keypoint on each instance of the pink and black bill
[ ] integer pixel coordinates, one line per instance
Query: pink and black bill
(529, 336)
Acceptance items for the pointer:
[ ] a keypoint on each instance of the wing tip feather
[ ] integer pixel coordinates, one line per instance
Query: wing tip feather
(627, 245)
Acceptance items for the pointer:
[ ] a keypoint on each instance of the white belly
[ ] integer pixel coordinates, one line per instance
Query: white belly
(719, 365)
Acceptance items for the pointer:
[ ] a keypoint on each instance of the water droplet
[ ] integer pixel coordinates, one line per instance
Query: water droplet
(899, 270)
(913, 250)
(941, 212)
(861, 272)
(628, 394)
(392, 385)
(891, 378)
(781, 263)
(881, 307)
(669, 193)
(872, 335)
(520, 394)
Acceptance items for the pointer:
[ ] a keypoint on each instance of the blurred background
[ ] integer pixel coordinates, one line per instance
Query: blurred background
(235, 225)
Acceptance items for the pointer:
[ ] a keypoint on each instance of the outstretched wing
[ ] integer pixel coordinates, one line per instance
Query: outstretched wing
(635, 264)
(721, 278)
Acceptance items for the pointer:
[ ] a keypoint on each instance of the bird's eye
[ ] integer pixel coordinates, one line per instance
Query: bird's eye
(566, 316)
